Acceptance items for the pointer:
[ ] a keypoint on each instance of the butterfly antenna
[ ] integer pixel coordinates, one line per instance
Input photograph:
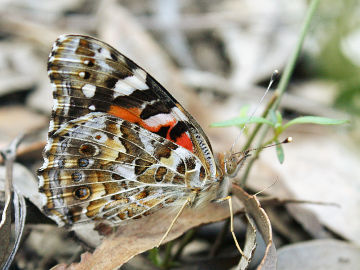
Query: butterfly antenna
(274, 77)
(287, 140)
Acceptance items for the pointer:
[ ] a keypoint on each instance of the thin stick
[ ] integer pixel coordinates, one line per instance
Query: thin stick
(173, 221)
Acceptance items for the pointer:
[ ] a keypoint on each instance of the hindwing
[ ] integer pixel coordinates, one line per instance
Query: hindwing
(101, 167)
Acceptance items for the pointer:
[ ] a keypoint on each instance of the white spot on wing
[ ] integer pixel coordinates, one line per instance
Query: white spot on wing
(125, 171)
(61, 38)
(129, 84)
(104, 53)
(51, 125)
(66, 91)
(88, 90)
(159, 119)
(138, 83)
(53, 86)
(46, 160)
(140, 73)
(92, 108)
(180, 115)
(149, 147)
(122, 88)
(100, 137)
(55, 104)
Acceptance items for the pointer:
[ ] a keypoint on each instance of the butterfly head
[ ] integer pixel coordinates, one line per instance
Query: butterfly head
(234, 161)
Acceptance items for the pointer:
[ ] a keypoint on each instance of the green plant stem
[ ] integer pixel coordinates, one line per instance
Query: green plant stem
(154, 256)
(184, 241)
(289, 68)
(166, 263)
(284, 81)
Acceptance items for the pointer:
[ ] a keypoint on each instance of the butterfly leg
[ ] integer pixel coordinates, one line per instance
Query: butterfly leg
(228, 198)
(187, 202)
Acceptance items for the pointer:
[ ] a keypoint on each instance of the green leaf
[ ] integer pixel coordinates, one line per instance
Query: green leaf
(241, 121)
(280, 153)
(154, 256)
(315, 120)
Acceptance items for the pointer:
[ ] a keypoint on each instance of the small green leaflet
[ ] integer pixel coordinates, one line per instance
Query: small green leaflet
(280, 152)
(314, 120)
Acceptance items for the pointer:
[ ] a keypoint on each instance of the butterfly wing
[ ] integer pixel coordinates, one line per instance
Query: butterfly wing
(90, 76)
(100, 167)
(120, 146)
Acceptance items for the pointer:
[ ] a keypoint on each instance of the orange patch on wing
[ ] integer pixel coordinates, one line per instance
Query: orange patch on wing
(183, 140)
(133, 115)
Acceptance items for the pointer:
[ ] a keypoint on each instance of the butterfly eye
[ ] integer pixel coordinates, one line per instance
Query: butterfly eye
(235, 162)
(82, 193)
(231, 165)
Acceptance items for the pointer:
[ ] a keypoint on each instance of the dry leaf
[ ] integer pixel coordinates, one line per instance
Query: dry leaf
(253, 208)
(319, 167)
(143, 234)
(326, 254)
(15, 120)
(8, 251)
(5, 224)
(250, 244)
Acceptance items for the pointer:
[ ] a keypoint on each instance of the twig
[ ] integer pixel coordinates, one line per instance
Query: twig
(284, 81)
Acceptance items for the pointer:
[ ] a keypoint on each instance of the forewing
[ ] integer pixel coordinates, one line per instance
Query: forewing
(100, 167)
(91, 76)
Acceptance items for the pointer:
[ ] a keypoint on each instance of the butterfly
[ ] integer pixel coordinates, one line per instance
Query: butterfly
(119, 146)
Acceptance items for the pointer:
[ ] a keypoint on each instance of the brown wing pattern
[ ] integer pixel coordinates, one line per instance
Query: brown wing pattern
(119, 145)
(91, 76)
(101, 167)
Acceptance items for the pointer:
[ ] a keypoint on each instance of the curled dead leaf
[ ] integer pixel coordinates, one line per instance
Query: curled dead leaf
(250, 244)
(254, 210)
(7, 248)
(5, 225)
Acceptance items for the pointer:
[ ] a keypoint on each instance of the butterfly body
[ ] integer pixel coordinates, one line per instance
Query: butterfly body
(119, 145)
